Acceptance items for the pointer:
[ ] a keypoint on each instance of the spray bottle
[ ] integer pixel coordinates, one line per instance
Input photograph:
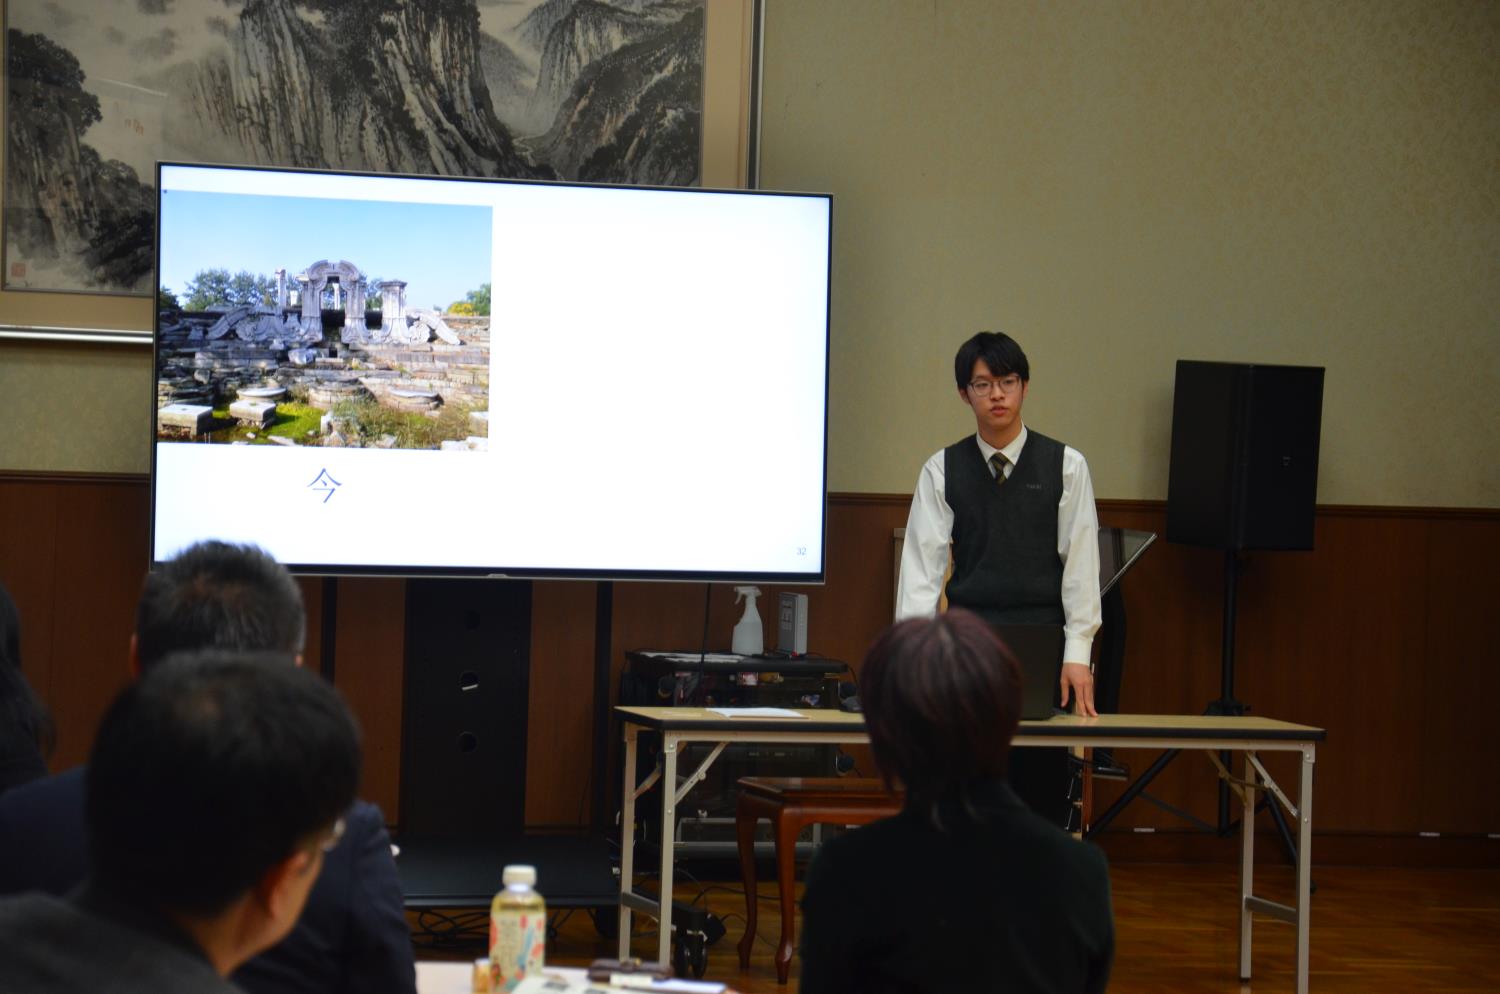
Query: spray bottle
(749, 640)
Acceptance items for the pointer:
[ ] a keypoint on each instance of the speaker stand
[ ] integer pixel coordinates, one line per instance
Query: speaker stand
(463, 786)
(1226, 704)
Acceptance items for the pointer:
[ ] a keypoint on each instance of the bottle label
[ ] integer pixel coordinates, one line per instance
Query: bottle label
(518, 942)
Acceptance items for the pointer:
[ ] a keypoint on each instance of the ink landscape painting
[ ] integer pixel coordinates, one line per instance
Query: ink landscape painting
(98, 91)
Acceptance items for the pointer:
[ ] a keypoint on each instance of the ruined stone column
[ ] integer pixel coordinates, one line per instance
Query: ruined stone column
(354, 312)
(312, 308)
(281, 290)
(393, 308)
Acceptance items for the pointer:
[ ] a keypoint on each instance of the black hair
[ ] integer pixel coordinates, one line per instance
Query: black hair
(218, 595)
(999, 351)
(211, 769)
(19, 705)
(942, 698)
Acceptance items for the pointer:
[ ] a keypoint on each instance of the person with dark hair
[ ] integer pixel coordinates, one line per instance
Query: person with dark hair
(966, 889)
(353, 935)
(217, 595)
(1014, 510)
(247, 765)
(26, 734)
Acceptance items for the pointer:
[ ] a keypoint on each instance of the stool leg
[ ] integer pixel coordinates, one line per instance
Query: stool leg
(744, 830)
(787, 828)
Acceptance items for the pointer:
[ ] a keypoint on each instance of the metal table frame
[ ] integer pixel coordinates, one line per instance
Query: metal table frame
(1212, 734)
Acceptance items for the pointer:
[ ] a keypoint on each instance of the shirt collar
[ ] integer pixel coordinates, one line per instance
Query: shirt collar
(1011, 452)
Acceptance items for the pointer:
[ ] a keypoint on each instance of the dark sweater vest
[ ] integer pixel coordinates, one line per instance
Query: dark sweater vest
(1005, 563)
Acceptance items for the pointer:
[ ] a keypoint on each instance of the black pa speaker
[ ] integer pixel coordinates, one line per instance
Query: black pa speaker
(463, 763)
(1244, 471)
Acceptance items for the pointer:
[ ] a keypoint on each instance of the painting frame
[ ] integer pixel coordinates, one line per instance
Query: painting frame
(729, 158)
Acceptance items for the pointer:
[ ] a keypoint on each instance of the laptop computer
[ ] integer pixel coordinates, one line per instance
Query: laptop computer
(1039, 649)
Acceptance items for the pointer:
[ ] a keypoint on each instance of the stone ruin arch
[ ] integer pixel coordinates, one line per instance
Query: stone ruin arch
(397, 324)
(299, 321)
(313, 281)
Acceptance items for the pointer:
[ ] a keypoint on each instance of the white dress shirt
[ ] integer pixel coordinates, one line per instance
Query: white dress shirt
(929, 529)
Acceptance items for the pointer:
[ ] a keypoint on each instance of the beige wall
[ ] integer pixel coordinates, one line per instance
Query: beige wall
(1122, 184)
(74, 408)
(1119, 185)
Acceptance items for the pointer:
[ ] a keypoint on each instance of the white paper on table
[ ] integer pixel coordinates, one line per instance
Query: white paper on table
(756, 712)
(572, 984)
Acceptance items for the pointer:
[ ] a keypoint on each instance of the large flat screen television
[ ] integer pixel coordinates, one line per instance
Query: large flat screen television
(368, 373)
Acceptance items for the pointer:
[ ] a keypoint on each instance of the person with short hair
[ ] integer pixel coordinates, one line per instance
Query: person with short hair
(353, 935)
(966, 889)
(217, 595)
(247, 765)
(1014, 510)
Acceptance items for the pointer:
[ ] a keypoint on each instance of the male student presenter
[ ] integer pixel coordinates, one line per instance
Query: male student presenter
(1018, 509)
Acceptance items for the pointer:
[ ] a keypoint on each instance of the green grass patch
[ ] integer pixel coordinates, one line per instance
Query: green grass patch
(413, 429)
(293, 421)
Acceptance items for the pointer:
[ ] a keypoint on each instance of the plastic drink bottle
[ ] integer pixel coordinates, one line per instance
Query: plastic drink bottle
(518, 929)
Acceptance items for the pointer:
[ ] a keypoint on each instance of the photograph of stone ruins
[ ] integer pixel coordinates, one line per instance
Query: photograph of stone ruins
(386, 351)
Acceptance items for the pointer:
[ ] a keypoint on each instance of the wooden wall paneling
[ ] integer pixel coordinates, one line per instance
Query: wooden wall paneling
(671, 616)
(369, 670)
(560, 714)
(28, 569)
(1459, 671)
(1378, 635)
(1333, 639)
(856, 605)
(101, 554)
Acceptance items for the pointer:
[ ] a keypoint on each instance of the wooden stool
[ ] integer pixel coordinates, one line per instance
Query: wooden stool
(792, 803)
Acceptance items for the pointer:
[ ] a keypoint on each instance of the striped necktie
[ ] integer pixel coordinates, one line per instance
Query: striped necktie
(998, 461)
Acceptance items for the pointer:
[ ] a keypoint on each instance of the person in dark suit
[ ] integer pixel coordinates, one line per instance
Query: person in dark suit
(248, 765)
(967, 889)
(353, 937)
(26, 734)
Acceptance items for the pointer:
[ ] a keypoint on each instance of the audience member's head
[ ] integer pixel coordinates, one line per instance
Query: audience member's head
(220, 596)
(942, 697)
(215, 782)
(19, 707)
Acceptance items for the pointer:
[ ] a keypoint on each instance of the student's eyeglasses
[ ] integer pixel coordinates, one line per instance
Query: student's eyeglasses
(333, 838)
(1007, 385)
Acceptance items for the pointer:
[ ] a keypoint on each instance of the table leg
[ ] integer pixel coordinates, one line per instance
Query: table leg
(1247, 864)
(1304, 864)
(627, 840)
(668, 831)
(787, 828)
(744, 831)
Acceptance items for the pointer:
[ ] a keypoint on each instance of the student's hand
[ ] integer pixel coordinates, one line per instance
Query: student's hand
(1078, 678)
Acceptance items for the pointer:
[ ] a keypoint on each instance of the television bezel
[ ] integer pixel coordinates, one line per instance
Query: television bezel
(782, 578)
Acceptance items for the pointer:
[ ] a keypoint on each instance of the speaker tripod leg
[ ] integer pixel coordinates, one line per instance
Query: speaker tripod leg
(1131, 792)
